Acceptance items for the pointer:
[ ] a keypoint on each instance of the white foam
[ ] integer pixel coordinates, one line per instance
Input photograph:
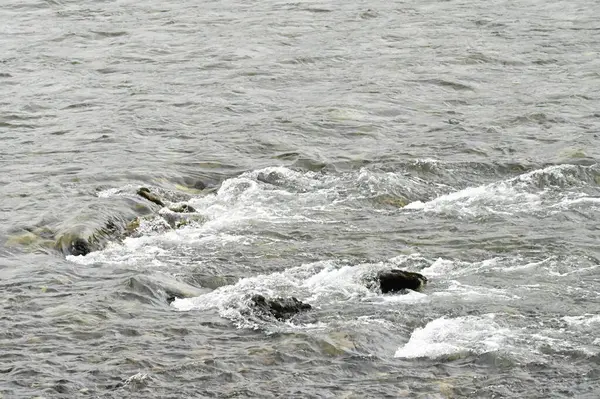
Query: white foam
(411, 297)
(319, 284)
(444, 336)
(586, 320)
(132, 252)
(229, 300)
(452, 268)
(505, 197)
(497, 198)
(135, 379)
(576, 199)
(343, 282)
(116, 192)
(441, 267)
(526, 266)
(466, 292)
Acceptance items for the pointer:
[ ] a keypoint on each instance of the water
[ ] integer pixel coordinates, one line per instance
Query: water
(335, 139)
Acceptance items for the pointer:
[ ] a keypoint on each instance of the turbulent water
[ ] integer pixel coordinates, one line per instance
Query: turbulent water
(319, 142)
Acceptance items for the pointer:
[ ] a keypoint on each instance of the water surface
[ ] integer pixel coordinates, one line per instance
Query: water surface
(335, 139)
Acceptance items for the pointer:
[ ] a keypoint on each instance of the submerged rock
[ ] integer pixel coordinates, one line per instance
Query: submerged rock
(398, 280)
(144, 192)
(30, 240)
(390, 200)
(85, 233)
(279, 308)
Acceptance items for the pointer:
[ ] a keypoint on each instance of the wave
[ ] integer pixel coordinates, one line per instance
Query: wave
(443, 336)
(557, 186)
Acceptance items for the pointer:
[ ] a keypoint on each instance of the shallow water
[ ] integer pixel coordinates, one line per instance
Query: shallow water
(335, 140)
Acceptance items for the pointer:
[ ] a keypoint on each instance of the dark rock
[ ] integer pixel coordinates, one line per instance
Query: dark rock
(279, 308)
(397, 280)
(79, 246)
(145, 193)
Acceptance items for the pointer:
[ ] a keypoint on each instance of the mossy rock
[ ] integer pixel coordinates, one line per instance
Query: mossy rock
(132, 226)
(25, 239)
(31, 241)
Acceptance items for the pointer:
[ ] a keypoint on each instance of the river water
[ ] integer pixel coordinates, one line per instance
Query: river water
(458, 139)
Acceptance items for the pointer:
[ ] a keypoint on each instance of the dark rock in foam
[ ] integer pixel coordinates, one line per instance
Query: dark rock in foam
(398, 280)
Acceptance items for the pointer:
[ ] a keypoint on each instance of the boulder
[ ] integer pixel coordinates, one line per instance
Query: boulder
(279, 308)
(398, 280)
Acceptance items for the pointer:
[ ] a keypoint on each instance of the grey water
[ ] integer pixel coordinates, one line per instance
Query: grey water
(319, 142)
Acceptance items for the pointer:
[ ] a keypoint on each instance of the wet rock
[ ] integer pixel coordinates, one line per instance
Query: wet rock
(175, 220)
(182, 208)
(172, 219)
(144, 192)
(274, 178)
(398, 280)
(279, 308)
(79, 246)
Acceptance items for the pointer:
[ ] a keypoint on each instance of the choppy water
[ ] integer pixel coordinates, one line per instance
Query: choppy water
(336, 139)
